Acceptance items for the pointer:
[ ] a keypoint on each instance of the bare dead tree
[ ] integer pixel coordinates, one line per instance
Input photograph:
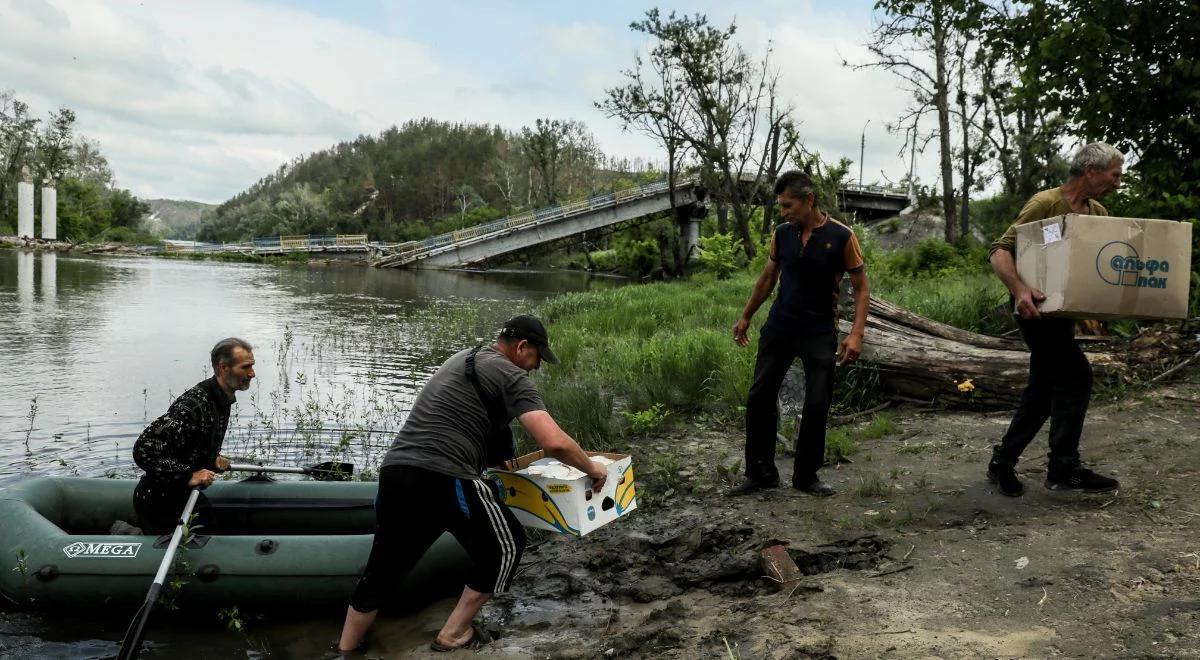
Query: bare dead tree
(914, 41)
(782, 140)
(731, 118)
(500, 177)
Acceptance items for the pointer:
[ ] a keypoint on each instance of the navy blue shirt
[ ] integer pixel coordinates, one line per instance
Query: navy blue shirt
(811, 273)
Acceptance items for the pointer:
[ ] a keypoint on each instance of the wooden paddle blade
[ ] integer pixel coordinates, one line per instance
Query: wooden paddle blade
(331, 471)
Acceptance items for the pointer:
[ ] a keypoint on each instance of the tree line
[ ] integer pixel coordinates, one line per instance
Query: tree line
(89, 203)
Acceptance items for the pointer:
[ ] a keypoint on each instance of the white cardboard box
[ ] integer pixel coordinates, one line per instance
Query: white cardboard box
(566, 506)
(1099, 267)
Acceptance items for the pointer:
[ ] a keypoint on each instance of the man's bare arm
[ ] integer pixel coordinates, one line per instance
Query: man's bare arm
(551, 439)
(762, 290)
(1026, 297)
(852, 345)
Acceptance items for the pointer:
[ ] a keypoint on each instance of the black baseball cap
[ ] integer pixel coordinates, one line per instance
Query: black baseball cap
(529, 328)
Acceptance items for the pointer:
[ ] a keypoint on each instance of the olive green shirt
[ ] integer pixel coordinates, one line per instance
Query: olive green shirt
(1045, 204)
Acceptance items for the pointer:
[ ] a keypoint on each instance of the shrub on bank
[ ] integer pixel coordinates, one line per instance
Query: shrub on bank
(719, 254)
(127, 236)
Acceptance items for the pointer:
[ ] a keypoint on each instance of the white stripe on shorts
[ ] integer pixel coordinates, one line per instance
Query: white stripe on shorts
(508, 546)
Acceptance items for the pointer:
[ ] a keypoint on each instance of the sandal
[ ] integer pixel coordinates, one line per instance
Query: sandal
(479, 637)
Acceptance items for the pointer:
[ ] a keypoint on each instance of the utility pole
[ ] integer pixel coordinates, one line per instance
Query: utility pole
(912, 165)
(862, 150)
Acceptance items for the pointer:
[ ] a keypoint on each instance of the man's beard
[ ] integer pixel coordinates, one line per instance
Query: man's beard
(236, 384)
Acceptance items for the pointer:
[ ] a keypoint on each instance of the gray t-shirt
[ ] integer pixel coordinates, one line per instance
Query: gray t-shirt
(446, 430)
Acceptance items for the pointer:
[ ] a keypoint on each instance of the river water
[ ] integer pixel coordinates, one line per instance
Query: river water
(94, 348)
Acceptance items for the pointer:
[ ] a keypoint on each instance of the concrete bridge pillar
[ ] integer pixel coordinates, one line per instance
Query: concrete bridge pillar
(49, 211)
(692, 236)
(25, 209)
(688, 219)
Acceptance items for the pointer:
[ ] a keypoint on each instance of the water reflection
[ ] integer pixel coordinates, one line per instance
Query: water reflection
(25, 280)
(105, 344)
(49, 281)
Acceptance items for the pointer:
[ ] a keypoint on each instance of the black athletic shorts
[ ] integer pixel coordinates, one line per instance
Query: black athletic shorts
(415, 507)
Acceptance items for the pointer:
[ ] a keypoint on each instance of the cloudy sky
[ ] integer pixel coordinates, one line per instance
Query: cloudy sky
(197, 100)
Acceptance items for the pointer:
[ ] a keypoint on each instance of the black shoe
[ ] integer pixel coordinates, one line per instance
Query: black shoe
(1081, 479)
(1005, 478)
(752, 486)
(814, 487)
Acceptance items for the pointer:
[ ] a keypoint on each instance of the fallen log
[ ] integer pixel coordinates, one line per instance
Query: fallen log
(904, 318)
(921, 358)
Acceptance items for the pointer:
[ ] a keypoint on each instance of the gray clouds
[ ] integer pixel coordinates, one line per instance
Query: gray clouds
(199, 99)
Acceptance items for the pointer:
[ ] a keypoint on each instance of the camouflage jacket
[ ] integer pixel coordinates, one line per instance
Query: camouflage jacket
(185, 439)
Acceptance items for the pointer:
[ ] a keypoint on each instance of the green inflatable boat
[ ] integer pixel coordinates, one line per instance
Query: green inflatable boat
(275, 544)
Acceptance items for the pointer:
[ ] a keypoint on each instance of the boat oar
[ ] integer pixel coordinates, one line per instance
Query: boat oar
(132, 643)
(330, 471)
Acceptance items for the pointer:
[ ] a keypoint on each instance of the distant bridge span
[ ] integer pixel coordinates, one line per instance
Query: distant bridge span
(473, 246)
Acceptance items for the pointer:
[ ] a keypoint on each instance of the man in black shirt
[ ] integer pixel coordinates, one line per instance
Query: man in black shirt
(182, 449)
(810, 252)
(438, 459)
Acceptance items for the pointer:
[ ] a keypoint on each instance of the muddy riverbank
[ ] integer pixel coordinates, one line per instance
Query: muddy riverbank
(916, 556)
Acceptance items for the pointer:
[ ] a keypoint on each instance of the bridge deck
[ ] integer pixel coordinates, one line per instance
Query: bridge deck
(476, 244)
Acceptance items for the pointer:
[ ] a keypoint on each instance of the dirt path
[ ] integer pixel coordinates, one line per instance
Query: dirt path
(916, 556)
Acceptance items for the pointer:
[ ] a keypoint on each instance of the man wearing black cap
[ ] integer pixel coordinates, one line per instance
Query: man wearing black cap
(458, 426)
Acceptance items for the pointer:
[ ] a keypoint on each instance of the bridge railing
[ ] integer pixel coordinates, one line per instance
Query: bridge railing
(284, 243)
(190, 246)
(536, 216)
(882, 190)
(348, 240)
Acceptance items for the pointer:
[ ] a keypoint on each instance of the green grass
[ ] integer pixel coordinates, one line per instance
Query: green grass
(953, 285)
(666, 344)
(585, 410)
(873, 485)
(967, 300)
(881, 426)
(915, 449)
(839, 445)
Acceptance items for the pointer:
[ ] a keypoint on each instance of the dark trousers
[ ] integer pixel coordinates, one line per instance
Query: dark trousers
(158, 509)
(414, 507)
(777, 349)
(1060, 386)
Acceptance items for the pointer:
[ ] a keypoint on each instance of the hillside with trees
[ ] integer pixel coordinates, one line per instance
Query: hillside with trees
(420, 178)
(90, 205)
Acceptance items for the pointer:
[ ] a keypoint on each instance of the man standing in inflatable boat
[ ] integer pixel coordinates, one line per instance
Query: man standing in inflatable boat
(182, 449)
